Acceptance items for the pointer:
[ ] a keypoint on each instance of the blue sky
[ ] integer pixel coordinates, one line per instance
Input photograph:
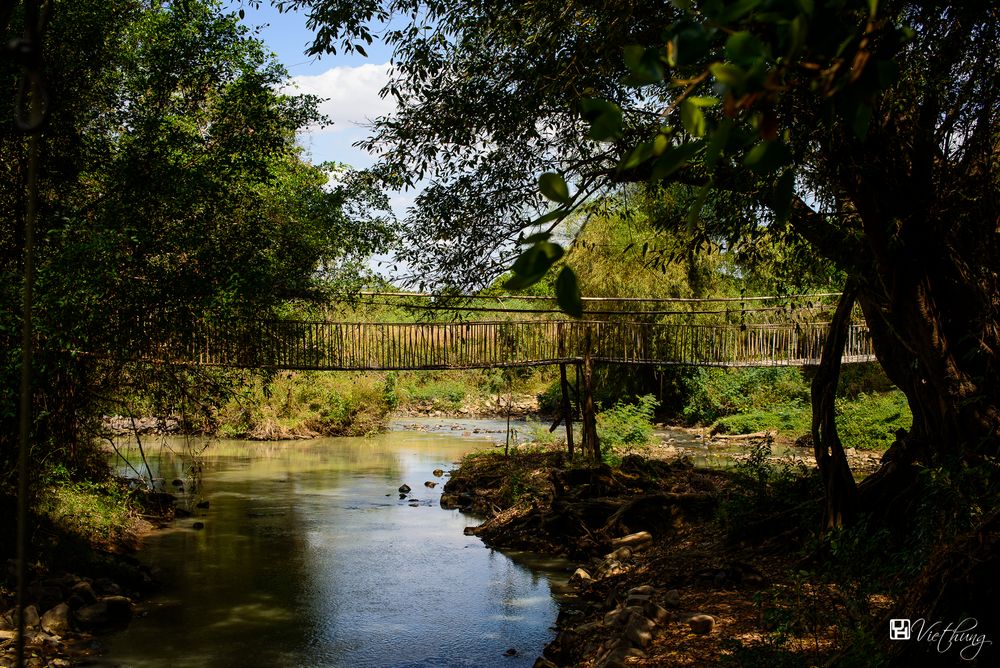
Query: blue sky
(348, 83)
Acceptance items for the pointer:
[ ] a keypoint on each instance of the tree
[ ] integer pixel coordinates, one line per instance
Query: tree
(171, 190)
(867, 129)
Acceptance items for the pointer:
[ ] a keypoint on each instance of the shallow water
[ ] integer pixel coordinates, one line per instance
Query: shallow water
(309, 558)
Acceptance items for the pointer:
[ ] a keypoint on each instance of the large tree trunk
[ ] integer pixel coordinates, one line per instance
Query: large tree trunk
(841, 491)
(934, 326)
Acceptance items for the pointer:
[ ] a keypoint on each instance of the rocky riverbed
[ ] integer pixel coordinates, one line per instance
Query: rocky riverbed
(66, 614)
(660, 580)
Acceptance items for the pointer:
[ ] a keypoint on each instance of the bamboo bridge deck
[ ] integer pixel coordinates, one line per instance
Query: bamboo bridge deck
(365, 346)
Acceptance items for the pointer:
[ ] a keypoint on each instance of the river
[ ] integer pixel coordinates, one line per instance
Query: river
(306, 556)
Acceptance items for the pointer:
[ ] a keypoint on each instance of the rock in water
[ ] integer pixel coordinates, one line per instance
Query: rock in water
(431, 484)
(438, 473)
(404, 489)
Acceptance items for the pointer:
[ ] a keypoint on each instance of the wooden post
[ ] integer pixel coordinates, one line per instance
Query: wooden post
(567, 408)
(589, 419)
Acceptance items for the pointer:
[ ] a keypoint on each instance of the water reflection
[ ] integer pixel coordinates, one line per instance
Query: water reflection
(309, 558)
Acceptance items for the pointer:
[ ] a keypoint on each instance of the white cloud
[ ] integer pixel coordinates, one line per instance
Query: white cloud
(350, 94)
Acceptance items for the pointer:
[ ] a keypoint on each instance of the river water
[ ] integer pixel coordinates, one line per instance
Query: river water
(307, 557)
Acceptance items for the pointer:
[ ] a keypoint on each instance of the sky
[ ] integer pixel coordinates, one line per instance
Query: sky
(349, 84)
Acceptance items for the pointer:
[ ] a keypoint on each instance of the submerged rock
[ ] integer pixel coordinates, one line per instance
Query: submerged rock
(404, 489)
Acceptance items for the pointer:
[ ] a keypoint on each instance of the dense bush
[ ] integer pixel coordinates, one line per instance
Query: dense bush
(626, 426)
(715, 393)
(870, 421)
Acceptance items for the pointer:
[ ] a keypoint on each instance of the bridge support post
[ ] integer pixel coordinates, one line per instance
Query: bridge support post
(567, 408)
(587, 402)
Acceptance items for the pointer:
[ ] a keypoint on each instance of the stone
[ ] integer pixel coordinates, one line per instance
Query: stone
(31, 620)
(198, 526)
(639, 630)
(611, 568)
(621, 554)
(431, 484)
(45, 596)
(701, 624)
(202, 505)
(109, 611)
(647, 590)
(107, 587)
(57, 620)
(672, 599)
(404, 489)
(177, 482)
(542, 662)
(85, 591)
(635, 541)
(581, 576)
(655, 612)
(640, 595)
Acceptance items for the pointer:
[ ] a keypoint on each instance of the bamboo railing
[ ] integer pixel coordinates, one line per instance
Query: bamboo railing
(343, 346)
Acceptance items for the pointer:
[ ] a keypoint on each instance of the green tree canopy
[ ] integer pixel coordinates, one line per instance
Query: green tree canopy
(170, 189)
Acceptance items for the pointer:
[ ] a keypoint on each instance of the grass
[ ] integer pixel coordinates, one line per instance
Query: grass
(309, 403)
(866, 422)
(104, 515)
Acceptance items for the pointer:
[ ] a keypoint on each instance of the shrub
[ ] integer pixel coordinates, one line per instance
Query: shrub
(715, 393)
(793, 417)
(626, 426)
(870, 421)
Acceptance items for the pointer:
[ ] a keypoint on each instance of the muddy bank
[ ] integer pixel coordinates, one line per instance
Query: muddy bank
(660, 581)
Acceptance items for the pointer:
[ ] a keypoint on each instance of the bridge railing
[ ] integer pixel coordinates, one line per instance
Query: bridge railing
(291, 344)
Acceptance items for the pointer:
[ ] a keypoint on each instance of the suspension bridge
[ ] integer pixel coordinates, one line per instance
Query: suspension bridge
(695, 335)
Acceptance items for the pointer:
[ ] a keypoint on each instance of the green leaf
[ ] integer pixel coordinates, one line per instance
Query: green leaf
(689, 45)
(568, 293)
(728, 74)
(644, 65)
(703, 101)
(554, 187)
(768, 156)
(640, 154)
(717, 141)
(605, 118)
(745, 48)
(531, 265)
(737, 10)
(693, 119)
(672, 159)
(798, 31)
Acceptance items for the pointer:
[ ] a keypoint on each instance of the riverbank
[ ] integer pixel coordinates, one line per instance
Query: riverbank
(679, 565)
(83, 578)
